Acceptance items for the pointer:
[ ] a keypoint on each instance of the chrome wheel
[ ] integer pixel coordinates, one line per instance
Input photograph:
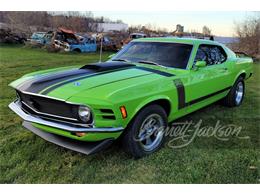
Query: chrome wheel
(239, 93)
(151, 132)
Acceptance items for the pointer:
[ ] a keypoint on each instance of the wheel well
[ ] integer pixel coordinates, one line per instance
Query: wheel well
(77, 50)
(243, 75)
(165, 104)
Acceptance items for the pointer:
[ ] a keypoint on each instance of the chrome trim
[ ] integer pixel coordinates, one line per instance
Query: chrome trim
(51, 115)
(190, 59)
(67, 122)
(45, 96)
(17, 109)
(61, 100)
(160, 41)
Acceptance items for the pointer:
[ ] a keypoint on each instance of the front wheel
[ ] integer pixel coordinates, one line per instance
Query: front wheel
(145, 133)
(236, 94)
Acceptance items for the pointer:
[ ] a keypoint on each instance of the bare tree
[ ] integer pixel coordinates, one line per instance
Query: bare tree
(206, 31)
(248, 33)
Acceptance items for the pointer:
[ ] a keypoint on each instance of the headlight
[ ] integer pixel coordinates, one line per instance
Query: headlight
(84, 113)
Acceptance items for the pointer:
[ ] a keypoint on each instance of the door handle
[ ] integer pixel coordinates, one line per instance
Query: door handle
(223, 69)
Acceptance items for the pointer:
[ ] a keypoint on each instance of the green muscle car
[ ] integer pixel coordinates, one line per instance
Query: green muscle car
(131, 97)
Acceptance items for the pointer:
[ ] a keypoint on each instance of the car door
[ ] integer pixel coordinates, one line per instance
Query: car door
(208, 81)
(88, 46)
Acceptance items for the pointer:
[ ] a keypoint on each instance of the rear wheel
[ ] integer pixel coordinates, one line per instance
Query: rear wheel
(145, 133)
(236, 94)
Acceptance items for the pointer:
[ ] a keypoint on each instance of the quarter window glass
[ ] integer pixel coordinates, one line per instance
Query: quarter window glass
(212, 54)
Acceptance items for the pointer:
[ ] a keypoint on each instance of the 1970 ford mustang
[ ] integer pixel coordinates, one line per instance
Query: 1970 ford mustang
(133, 96)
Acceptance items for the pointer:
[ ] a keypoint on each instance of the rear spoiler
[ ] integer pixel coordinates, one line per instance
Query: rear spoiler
(240, 54)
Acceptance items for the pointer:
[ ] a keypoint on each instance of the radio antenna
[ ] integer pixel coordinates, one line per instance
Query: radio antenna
(100, 52)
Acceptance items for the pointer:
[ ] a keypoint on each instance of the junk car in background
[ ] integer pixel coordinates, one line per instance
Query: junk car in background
(133, 36)
(111, 41)
(70, 41)
(37, 37)
(64, 40)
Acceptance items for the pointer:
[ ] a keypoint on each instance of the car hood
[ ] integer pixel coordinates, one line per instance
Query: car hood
(63, 84)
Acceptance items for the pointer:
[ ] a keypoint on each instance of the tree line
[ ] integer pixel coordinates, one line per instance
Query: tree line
(42, 20)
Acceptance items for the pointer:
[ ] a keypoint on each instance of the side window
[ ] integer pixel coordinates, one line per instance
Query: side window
(221, 55)
(212, 54)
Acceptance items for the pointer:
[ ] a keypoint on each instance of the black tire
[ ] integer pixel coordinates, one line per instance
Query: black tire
(230, 100)
(130, 139)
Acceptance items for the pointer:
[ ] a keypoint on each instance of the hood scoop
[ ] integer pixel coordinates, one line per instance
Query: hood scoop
(105, 66)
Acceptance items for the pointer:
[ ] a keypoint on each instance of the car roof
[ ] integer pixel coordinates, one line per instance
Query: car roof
(177, 40)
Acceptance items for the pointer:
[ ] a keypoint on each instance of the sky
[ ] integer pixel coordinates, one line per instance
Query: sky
(221, 23)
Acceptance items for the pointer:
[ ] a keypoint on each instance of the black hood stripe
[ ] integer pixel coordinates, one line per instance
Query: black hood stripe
(39, 83)
(166, 74)
(47, 83)
(48, 90)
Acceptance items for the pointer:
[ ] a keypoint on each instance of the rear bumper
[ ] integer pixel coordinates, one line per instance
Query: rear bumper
(17, 109)
(78, 146)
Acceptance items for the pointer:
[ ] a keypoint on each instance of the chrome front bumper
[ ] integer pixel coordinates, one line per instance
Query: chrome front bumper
(17, 109)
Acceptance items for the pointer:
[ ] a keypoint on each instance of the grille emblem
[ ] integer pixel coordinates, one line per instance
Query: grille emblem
(77, 83)
(34, 104)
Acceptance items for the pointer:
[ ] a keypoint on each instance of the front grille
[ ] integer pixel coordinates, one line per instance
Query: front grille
(49, 108)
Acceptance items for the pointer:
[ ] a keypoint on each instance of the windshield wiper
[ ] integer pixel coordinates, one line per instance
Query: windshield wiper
(151, 62)
(120, 60)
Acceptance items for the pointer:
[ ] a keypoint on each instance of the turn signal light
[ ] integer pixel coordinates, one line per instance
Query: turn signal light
(123, 112)
(80, 134)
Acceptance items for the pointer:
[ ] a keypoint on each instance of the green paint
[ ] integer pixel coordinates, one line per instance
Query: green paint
(135, 88)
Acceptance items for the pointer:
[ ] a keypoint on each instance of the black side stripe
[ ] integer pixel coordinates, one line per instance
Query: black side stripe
(181, 95)
(166, 74)
(207, 96)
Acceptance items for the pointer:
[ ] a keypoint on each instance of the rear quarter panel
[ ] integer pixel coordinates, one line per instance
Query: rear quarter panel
(241, 66)
(238, 66)
(244, 65)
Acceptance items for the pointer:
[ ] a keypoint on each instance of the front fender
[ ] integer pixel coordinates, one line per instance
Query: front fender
(147, 101)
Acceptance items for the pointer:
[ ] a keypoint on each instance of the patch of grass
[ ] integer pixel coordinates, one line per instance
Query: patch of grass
(26, 158)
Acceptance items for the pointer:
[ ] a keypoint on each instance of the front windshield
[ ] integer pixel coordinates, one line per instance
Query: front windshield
(174, 55)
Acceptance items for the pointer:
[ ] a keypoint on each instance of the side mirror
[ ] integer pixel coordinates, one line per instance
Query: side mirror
(111, 56)
(200, 64)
